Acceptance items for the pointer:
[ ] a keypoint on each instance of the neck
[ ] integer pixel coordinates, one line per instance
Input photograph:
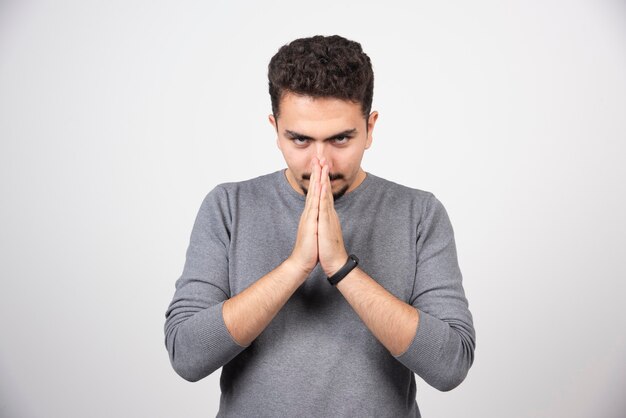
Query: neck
(360, 176)
(292, 181)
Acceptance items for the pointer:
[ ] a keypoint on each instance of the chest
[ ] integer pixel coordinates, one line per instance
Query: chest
(384, 242)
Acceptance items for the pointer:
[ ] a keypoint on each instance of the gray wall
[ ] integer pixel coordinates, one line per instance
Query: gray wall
(117, 117)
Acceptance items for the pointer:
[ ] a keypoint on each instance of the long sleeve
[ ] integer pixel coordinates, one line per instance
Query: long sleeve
(442, 350)
(196, 336)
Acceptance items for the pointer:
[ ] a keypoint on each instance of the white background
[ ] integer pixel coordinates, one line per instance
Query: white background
(117, 117)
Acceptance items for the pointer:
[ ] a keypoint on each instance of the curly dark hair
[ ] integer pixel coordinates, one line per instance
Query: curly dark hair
(322, 66)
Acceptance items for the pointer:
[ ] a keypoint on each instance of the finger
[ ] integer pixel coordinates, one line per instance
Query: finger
(314, 199)
(325, 185)
(329, 189)
(316, 189)
(313, 180)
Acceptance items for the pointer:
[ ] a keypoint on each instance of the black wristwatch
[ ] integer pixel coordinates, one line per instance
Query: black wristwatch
(343, 272)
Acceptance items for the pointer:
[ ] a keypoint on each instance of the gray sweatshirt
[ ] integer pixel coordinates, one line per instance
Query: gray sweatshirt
(317, 358)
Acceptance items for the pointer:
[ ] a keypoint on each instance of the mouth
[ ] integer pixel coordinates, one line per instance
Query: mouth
(334, 179)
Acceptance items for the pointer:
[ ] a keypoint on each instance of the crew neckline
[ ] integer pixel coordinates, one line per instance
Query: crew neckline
(286, 187)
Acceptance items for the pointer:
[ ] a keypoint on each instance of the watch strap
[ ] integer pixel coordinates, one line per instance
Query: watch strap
(352, 262)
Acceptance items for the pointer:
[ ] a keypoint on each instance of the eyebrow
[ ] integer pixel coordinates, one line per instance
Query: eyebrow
(347, 132)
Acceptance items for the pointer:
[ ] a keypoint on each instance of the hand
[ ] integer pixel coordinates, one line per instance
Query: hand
(332, 250)
(305, 252)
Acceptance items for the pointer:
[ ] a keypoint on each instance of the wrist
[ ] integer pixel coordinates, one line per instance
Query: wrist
(351, 263)
(335, 265)
(296, 269)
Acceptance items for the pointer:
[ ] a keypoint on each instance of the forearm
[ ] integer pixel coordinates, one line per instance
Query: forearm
(248, 313)
(392, 321)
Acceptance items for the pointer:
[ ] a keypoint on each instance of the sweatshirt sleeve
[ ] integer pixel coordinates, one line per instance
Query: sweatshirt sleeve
(442, 350)
(196, 336)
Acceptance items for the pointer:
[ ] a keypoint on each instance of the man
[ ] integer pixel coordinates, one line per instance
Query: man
(321, 289)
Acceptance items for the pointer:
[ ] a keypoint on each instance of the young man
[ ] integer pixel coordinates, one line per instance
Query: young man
(321, 289)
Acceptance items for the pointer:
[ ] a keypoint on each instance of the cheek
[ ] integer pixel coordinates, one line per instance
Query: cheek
(346, 162)
(298, 162)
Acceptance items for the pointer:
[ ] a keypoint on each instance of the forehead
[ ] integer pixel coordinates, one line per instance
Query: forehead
(300, 109)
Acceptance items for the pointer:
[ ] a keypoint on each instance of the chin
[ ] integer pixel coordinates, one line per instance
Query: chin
(340, 192)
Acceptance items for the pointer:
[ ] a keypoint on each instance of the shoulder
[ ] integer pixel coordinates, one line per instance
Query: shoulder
(256, 186)
(431, 215)
(262, 181)
(251, 183)
(400, 193)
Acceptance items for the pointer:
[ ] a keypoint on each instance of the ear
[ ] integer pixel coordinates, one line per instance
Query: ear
(274, 123)
(270, 117)
(371, 121)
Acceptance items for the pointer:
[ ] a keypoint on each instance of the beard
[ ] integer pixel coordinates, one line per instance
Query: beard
(336, 195)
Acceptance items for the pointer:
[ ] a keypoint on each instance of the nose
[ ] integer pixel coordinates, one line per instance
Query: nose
(323, 151)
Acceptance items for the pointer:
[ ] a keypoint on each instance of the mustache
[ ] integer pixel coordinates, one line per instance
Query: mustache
(337, 176)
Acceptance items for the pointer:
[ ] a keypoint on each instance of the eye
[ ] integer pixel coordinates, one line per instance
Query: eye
(341, 140)
(299, 141)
